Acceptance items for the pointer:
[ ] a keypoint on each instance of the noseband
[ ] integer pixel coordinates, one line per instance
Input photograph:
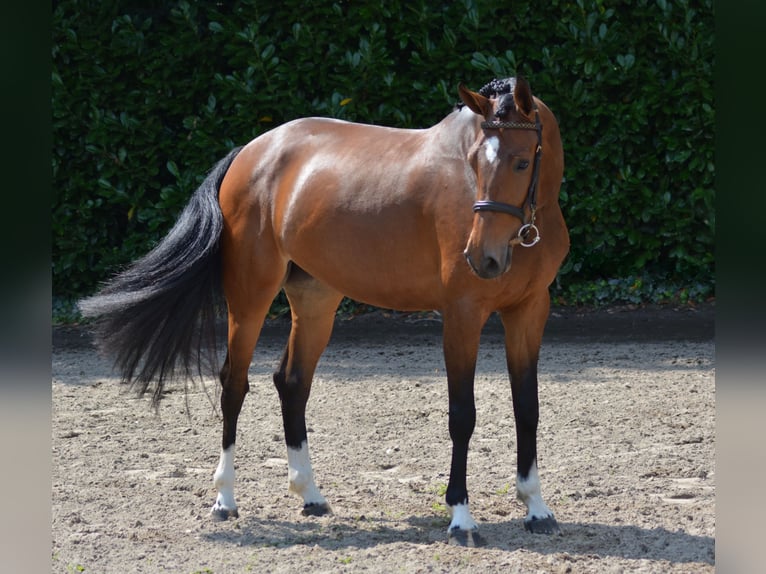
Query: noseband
(529, 227)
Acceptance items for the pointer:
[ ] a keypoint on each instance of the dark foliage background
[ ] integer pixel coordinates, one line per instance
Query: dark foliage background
(148, 95)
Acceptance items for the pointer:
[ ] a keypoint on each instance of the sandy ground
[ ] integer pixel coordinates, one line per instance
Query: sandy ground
(626, 456)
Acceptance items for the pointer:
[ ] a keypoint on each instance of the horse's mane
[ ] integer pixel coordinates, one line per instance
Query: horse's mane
(498, 87)
(495, 88)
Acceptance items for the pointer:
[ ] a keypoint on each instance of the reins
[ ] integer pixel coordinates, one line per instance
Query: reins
(529, 227)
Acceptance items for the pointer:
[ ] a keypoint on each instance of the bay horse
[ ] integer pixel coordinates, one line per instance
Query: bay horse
(462, 217)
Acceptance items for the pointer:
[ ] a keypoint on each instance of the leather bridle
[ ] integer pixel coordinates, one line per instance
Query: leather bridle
(528, 228)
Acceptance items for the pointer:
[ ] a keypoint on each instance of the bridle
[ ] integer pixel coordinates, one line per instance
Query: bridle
(529, 227)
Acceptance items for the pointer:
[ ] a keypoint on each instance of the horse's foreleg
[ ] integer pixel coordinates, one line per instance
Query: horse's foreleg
(523, 336)
(461, 344)
(313, 308)
(539, 517)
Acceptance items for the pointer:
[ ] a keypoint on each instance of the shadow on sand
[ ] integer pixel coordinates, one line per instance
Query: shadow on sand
(577, 539)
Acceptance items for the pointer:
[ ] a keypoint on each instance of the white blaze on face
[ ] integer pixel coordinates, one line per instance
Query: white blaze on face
(490, 148)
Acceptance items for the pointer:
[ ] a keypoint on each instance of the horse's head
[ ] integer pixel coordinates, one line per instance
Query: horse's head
(506, 159)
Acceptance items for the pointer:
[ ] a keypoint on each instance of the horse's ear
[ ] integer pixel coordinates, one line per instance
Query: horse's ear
(476, 102)
(522, 96)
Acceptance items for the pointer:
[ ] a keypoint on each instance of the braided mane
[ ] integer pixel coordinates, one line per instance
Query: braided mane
(497, 88)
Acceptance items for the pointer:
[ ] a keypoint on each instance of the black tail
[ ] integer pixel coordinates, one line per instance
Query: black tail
(159, 315)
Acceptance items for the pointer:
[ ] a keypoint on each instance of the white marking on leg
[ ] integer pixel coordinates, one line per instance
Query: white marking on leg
(223, 479)
(528, 491)
(300, 477)
(490, 148)
(461, 518)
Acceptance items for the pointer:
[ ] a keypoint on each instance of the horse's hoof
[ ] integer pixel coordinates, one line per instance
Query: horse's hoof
(466, 538)
(316, 509)
(547, 525)
(219, 514)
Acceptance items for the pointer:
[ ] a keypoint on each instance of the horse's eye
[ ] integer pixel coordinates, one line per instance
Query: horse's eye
(522, 165)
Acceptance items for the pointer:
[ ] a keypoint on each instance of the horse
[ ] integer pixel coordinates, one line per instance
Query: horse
(462, 217)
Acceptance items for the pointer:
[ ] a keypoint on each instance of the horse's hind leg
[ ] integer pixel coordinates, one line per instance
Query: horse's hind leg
(250, 282)
(312, 305)
(523, 335)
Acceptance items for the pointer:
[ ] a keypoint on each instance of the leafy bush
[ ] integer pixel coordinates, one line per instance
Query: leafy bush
(148, 95)
(636, 111)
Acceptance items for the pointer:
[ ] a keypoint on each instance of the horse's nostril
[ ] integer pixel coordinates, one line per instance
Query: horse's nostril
(491, 266)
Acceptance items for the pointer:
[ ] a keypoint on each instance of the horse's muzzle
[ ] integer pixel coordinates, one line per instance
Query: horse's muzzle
(488, 267)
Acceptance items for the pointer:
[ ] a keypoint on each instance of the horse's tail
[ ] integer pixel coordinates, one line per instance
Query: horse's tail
(158, 316)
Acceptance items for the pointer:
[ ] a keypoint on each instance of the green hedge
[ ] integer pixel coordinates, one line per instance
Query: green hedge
(147, 95)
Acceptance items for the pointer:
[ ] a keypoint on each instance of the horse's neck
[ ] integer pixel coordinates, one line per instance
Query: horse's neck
(458, 131)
